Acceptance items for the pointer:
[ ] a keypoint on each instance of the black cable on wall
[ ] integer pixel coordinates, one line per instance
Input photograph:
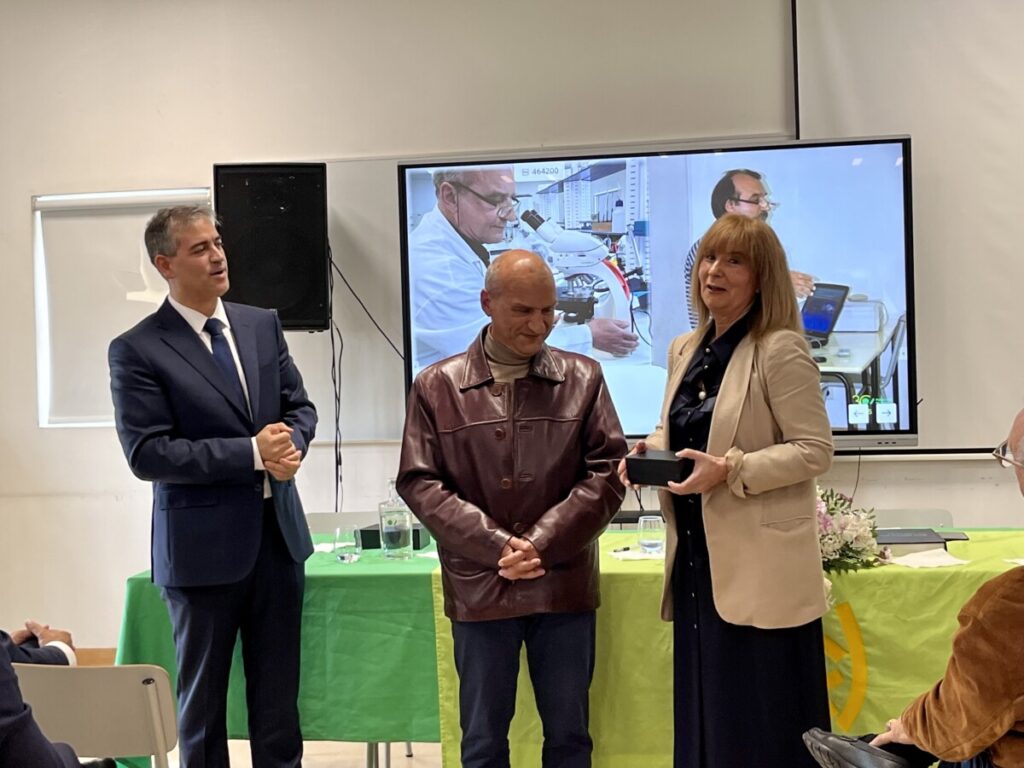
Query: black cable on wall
(796, 70)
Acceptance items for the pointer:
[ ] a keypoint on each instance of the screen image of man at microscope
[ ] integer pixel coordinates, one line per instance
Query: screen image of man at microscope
(448, 255)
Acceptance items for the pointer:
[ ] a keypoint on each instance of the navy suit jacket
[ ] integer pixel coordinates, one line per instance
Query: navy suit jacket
(183, 428)
(31, 652)
(21, 741)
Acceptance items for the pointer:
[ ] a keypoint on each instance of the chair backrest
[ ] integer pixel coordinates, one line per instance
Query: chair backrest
(116, 711)
(913, 518)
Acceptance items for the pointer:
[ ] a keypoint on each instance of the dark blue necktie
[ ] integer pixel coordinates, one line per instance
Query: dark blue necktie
(222, 356)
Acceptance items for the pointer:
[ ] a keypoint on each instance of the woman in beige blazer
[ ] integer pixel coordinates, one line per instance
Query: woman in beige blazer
(743, 579)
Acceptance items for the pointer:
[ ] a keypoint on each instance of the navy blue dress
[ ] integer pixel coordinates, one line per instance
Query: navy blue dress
(743, 695)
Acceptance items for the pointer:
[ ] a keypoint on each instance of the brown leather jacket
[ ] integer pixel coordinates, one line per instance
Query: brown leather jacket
(483, 461)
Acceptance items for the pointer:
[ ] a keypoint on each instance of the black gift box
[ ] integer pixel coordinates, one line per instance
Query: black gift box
(371, 536)
(657, 468)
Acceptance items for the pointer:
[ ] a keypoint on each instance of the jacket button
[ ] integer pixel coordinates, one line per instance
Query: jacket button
(518, 527)
(499, 433)
(506, 483)
(498, 390)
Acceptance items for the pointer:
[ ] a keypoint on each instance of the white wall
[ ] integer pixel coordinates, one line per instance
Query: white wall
(118, 94)
(942, 71)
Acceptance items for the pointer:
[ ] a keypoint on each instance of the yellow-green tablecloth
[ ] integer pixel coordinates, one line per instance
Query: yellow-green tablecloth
(631, 696)
(887, 639)
(889, 634)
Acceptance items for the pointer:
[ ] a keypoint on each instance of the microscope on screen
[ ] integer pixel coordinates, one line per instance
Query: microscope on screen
(593, 285)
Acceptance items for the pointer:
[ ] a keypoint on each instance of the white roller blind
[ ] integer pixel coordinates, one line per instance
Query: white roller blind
(93, 281)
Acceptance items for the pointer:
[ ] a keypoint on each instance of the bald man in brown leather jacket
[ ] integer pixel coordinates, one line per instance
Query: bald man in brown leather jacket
(509, 460)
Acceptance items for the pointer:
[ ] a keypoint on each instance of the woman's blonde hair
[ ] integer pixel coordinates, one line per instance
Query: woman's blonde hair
(774, 306)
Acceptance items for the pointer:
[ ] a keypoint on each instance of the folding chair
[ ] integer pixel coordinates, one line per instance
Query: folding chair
(112, 711)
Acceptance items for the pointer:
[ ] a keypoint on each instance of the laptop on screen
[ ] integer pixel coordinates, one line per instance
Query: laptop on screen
(821, 312)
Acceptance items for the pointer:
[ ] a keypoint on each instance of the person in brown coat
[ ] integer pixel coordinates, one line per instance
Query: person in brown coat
(508, 459)
(974, 716)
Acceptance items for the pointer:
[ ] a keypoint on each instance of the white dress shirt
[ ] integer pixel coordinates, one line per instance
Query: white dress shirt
(197, 321)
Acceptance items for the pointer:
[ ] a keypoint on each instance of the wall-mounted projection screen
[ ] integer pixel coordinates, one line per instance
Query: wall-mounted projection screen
(618, 232)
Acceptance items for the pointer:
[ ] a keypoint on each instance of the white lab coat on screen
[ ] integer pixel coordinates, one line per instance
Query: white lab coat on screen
(445, 278)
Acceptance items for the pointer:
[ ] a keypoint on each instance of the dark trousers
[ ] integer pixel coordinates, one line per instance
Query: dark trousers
(560, 656)
(978, 761)
(266, 608)
(770, 683)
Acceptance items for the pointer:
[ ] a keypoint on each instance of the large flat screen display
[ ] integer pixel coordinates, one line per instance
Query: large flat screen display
(619, 232)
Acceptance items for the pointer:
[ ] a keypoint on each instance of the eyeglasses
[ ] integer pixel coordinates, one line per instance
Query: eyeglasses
(762, 202)
(503, 205)
(1004, 456)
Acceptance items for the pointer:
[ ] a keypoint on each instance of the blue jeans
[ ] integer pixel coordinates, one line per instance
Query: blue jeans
(560, 655)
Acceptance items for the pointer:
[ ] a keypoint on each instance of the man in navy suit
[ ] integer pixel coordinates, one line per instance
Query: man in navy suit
(210, 407)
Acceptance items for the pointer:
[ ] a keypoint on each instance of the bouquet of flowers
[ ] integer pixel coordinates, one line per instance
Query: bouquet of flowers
(847, 535)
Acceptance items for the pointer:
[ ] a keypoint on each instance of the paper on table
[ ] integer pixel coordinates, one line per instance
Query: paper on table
(430, 555)
(1015, 560)
(636, 554)
(328, 547)
(929, 558)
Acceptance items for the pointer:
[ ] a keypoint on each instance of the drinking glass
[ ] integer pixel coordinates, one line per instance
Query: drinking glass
(348, 543)
(651, 534)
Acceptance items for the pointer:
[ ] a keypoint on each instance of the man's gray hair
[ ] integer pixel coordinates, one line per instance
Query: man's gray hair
(162, 230)
(450, 176)
(462, 175)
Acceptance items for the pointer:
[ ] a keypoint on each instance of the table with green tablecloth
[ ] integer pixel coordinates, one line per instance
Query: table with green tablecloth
(377, 656)
(368, 669)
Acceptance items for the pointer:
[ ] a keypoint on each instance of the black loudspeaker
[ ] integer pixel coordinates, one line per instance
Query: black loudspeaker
(273, 219)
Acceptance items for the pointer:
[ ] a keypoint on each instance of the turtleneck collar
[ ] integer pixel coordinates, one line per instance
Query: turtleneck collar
(506, 364)
(498, 353)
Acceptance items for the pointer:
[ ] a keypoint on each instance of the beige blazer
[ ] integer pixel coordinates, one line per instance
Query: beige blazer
(770, 424)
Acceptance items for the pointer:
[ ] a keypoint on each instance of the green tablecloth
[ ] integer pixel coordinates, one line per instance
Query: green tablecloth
(377, 653)
(368, 669)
